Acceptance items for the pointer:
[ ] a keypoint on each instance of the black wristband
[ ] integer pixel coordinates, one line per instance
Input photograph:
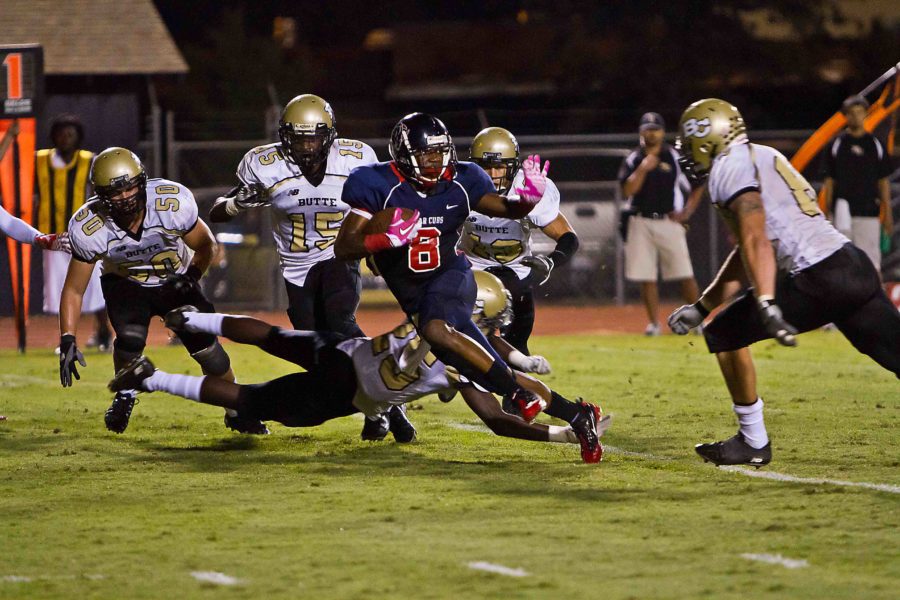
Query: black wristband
(704, 312)
(67, 338)
(194, 272)
(566, 247)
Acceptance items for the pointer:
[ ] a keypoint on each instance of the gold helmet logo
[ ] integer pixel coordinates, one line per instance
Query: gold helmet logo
(496, 148)
(493, 303)
(706, 129)
(307, 130)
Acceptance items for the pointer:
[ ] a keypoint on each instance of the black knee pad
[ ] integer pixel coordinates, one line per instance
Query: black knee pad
(213, 360)
(131, 340)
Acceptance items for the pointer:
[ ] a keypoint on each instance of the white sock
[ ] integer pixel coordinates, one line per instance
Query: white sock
(198, 322)
(753, 428)
(186, 386)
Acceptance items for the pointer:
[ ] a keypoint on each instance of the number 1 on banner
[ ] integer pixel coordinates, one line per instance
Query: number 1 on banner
(13, 64)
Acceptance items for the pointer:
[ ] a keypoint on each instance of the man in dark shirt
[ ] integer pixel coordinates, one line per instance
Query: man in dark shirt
(655, 188)
(857, 190)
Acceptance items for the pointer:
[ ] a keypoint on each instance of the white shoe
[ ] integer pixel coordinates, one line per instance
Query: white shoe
(652, 329)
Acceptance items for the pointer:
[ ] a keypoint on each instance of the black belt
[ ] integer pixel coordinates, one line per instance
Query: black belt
(653, 215)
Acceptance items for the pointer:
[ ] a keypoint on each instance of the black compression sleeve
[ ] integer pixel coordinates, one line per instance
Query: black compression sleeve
(566, 247)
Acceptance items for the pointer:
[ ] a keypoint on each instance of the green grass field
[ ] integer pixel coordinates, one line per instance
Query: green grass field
(316, 513)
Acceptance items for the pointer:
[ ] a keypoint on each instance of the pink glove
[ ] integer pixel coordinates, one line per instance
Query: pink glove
(54, 241)
(399, 233)
(535, 181)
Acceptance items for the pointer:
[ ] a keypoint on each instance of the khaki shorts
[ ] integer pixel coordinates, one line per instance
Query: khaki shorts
(656, 246)
(56, 266)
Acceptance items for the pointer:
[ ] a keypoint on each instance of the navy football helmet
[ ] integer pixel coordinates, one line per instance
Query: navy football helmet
(422, 149)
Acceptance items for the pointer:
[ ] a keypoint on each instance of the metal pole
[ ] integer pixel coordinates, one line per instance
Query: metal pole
(156, 125)
(171, 150)
(620, 252)
(714, 259)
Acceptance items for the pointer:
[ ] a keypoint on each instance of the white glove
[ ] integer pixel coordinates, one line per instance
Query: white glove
(529, 364)
(686, 317)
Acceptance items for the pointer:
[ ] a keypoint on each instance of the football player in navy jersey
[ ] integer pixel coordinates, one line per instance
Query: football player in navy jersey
(418, 257)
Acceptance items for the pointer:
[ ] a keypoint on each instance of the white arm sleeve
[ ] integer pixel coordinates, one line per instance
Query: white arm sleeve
(16, 228)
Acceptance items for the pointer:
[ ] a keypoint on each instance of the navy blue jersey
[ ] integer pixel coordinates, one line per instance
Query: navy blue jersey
(443, 212)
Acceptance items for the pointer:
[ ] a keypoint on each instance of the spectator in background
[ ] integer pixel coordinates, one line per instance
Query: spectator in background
(856, 183)
(655, 189)
(63, 186)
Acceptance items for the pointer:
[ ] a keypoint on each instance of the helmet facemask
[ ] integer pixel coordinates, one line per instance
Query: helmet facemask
(493, 303)
(489, 161)
(431, 160)
(127, 206)
(305, 145)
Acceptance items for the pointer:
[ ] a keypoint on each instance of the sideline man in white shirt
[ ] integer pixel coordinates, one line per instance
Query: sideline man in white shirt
(797, 272)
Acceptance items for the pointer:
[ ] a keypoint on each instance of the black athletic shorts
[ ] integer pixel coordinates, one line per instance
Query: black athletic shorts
(835, 290)
(131, 304)
(305, 399)
(328, 299)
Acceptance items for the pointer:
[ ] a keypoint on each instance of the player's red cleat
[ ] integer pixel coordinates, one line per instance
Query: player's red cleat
(529, 404)
(585, 427)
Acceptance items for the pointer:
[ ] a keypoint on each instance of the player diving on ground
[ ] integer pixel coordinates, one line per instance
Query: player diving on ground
(368, 375)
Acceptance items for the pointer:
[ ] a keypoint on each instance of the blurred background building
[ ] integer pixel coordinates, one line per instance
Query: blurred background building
(194, 85)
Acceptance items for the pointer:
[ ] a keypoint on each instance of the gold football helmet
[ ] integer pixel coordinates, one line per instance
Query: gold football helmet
(116, 170)
(493, 304)
(705, 130)
(307, 130)
(496, 148)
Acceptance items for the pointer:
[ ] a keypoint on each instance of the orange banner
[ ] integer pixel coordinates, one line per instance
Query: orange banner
(17, 191)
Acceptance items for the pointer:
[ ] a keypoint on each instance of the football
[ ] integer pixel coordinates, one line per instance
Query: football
(381, 220)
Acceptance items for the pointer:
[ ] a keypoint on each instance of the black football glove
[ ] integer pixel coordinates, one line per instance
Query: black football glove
(783, 332)
(182, 284)
(246, 196)
(68, 354)
(540, 266)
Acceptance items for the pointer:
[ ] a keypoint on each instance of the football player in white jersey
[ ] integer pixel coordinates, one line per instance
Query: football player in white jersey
(153, 249)
(503, 246)
(790, 272)
(301, 178)
(345, 376)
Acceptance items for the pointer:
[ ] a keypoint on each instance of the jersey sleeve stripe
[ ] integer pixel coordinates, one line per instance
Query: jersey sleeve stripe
(363, 213)
(468, 202)
(390, 193)
(743, 190)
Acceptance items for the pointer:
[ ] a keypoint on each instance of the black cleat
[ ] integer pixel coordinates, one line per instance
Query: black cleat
(510, 407)
(586, 427)
(735, 451)
(400, 425)
(131, 377)
(119, 412)
(246, 425)
(175, 320)
(375, 429)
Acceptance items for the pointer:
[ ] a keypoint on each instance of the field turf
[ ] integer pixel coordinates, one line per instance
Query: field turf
(316, 513)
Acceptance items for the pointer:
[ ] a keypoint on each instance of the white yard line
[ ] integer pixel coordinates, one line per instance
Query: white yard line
(498, 569)
(615, 450)
(881, 487)
(23, 579)
(216, 577)
(775, 476)
(777, 559)
(469, 427)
